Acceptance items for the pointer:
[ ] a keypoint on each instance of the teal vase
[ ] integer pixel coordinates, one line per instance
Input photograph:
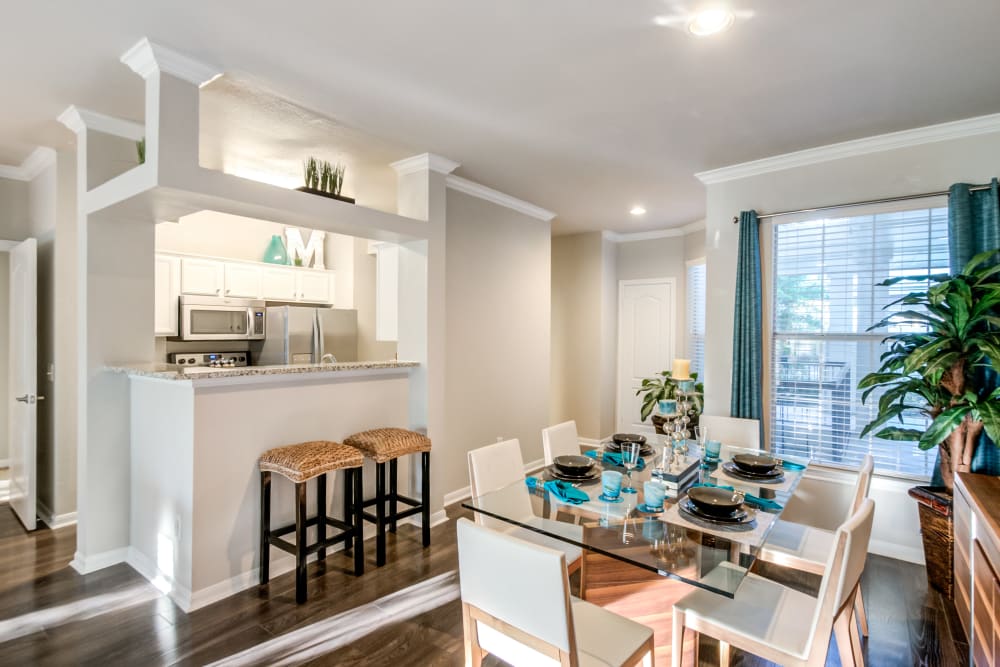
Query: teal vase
(276, 252)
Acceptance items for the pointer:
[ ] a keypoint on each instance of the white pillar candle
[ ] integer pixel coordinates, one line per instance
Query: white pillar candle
(681, 369)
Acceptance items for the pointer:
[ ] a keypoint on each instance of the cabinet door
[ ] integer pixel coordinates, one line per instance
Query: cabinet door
(386, 292)
(278, 284)
(315, 286)
(242, 280)
(201, 276)
(167, 287)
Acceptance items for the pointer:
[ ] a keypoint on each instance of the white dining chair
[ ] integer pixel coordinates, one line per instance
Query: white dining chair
(778, 623)
(560, 440)
(499, 465)
(732, 430)
(804, 547)
(516, 605)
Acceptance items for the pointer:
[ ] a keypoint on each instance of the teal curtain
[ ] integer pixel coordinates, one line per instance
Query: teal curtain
(748, 337)
(973, 227)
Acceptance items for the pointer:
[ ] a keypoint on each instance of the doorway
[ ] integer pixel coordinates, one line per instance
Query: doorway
(18, 358)
(646, 343)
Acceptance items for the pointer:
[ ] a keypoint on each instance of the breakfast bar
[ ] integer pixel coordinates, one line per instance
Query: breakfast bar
(196, 435)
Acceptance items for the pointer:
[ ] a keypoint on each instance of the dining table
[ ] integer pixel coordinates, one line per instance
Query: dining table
(674, 542)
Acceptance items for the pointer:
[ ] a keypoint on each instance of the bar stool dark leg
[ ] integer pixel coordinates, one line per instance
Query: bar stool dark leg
(358, 520)
(425, 497)
(380, 515)
(349, 509)
(321, 514)
(265, 527)
(300, 542)
(392, 496)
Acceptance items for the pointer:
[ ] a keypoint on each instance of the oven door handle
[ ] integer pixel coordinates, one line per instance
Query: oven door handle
(249, 323)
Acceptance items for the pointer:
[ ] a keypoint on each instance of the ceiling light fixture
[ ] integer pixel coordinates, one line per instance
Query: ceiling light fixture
(710, 21)
(638, 210)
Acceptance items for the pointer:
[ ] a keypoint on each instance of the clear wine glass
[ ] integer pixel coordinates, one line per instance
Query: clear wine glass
(630, 460)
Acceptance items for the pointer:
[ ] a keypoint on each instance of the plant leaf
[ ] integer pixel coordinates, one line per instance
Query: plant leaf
(943, 425)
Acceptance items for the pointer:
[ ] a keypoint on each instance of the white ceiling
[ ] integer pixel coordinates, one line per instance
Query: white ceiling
(584, 108)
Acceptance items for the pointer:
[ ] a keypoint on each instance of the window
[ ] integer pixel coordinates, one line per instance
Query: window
(696, 316)
(824, 299)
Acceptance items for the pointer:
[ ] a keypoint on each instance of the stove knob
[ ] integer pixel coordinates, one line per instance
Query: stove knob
(182, 360)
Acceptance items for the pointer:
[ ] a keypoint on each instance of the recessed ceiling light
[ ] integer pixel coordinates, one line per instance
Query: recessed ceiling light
(638, 210)
(710, 22)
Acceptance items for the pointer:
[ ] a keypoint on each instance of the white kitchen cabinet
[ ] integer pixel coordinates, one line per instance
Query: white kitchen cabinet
(278, 284)
(386, 292)
(204, 277)
(167, 282)
(242, 280)
(208, 276)
(314, 286)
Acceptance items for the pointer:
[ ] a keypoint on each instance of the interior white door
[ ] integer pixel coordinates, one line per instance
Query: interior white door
(645, 343)
(22, 381)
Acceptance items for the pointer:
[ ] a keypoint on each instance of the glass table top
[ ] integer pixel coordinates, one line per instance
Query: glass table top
(674, 542)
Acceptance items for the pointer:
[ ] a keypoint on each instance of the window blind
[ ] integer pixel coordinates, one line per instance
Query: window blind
(696, 317)
(824, 298)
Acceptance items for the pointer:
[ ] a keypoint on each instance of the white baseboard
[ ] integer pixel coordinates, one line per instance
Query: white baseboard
(87, 564)
(4, 463)
(4, 490)
(52, 520)
(897, 551)
(458, 495)
(437, 518)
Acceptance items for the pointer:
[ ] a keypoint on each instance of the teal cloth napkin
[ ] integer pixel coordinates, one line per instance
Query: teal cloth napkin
(615, 459)
(749, 499)
(788, 465)
(564, 491)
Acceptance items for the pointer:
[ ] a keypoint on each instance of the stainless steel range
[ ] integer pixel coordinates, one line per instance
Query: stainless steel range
(210, 359)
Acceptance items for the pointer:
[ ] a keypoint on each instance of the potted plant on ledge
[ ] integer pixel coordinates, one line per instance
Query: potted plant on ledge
(664, 388)
(934, 369)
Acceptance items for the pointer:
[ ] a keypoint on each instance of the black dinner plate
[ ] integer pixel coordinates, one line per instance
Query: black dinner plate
(739, 517)
(770, 478)
(644, 451)
(555, 473)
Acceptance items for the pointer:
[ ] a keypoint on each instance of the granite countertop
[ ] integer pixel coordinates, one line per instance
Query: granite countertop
(175, 372)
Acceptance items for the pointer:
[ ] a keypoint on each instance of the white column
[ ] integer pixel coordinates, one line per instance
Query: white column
(421, 195)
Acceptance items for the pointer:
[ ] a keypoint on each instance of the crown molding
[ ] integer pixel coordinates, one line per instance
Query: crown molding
(146, 58)
(958, 129)
(78, 120)
(671, 233)
(425, 162)
(489, 194)
(38, 161)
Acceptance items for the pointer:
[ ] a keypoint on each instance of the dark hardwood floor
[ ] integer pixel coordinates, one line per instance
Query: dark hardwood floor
(406, 613)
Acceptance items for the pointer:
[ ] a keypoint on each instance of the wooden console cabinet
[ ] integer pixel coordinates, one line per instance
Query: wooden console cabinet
(977, 563)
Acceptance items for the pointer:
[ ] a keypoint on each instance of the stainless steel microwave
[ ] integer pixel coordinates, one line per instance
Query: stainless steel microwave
(221, 318)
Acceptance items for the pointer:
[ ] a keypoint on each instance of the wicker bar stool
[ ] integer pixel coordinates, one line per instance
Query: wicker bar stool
(300, 463)
(386, 445)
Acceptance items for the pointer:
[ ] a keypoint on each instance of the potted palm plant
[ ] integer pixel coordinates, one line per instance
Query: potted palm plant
(934, 369)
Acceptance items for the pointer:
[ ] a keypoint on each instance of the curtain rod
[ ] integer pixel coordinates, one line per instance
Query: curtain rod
(884, 200)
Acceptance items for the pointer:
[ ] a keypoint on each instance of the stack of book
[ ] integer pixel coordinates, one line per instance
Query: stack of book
(678, 477)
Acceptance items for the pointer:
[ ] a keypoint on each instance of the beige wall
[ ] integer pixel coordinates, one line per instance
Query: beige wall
(498, 332)
(584, 326)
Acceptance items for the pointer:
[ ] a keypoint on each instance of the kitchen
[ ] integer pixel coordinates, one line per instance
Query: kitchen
(265, 346)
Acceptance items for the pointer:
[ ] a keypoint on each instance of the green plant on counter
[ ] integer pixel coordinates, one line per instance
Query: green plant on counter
(140, 149)
(936, 366)
(664, 387)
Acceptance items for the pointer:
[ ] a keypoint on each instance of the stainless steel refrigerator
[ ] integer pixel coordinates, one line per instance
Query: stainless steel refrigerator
(303, 335)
